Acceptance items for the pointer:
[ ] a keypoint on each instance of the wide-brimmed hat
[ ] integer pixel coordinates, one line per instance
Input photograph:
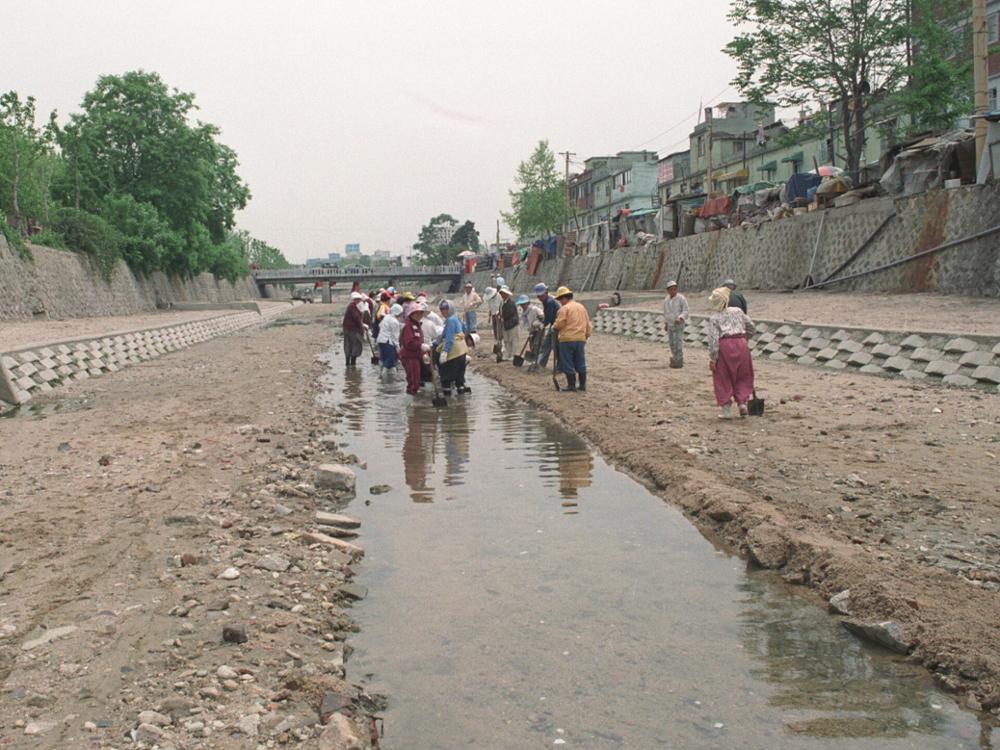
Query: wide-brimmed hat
(505, 290)
(523, 300)
(563, 291)
(357, 295)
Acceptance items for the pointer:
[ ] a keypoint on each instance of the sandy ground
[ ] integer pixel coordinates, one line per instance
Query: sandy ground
(901, 312)
(883, 488)
(119, 514)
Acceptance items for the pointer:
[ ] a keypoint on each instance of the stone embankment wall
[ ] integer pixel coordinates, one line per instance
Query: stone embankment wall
(948, 358)
(26, 373)
(58, 284)
(780, 254)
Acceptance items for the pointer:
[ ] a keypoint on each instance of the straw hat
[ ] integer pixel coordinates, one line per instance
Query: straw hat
(719, 299)
(563, 291)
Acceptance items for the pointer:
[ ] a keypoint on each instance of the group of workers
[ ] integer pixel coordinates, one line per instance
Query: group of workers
(556, 323)
(407, 330)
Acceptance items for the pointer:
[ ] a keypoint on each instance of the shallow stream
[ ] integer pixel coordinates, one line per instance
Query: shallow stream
(524, 594)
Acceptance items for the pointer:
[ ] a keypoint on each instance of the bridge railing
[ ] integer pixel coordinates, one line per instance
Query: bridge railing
(351, 273)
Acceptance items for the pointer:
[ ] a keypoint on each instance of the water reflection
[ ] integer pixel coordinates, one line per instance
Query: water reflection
(830, 687)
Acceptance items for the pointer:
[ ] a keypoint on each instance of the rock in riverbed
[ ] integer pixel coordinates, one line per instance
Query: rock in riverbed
(888, 634)
(340, 734)
(337, 519)
(335, 477)
(840, 604)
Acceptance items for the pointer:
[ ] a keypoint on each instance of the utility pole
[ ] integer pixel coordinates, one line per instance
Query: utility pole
(980, 74)
(498, 235)
(567, 154)
(708, 152)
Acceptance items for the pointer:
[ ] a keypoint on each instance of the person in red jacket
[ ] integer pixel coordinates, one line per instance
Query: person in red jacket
(411, 345)
(354, 330)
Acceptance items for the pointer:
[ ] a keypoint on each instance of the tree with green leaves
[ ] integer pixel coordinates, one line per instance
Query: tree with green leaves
(939, 88)
(538, 205)
(258, 253)
(26, 159)
(466, 237)
(433, 246)
(136, 137)
(843, 52)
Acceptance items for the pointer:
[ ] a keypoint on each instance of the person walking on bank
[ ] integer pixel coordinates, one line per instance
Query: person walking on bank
(675, 317)
(451, 350)
(736, 299)
(550, 309)
(573, 327)
(412, 346)
(509, 320)
(388, 337)
(354, 329)
(729, 353)
(471, 302)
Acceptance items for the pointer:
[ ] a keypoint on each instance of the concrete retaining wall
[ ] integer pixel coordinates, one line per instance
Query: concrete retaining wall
(58, 284)
(948, 358)
(780, 254)
(25, 373)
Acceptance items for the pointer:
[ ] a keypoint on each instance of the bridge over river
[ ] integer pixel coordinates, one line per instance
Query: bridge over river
(368, 277)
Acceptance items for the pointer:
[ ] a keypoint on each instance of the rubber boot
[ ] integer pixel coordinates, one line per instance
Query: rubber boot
(571, 381)
(583, 381)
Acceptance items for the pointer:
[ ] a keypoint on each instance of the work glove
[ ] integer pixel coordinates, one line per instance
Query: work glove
(443, 358)
(425, 347)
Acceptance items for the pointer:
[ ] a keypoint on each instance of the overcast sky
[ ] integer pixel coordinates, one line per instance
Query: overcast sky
(358, 121)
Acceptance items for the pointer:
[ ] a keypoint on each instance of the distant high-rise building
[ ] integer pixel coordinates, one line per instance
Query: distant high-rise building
(352, 248)
(333, 257)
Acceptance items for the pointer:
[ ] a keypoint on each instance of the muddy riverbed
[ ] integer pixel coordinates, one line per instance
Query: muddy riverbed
(525, 594)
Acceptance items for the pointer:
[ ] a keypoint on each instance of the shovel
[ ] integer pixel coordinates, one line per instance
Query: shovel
(372, 347)
(439, 401)
(755, 406)
(518, 359)
(555, 359)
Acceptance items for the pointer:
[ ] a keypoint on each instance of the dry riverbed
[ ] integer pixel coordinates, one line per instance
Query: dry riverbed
(167, 575)
(883, 489)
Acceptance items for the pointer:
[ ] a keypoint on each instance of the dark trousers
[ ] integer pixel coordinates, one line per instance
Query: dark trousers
(571, 357)
(545, 349)
(453, 372)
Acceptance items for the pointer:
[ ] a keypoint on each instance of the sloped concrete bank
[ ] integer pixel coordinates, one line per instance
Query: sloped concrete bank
(747, 483)
(59, 284)
(28, 372)
(953, 359)
(781, 254)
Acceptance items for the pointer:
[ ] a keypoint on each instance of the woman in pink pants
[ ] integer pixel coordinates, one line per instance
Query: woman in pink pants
(729, 354)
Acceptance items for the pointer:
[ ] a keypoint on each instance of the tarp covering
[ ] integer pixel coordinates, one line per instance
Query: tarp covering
(715, 207)
(799, 185)
(744, 189)
(771, 166)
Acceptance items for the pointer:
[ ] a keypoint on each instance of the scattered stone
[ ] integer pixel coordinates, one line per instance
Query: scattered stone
(379, 489)
(336, 519)
(275, 563)
(249, 725)
(353, 591)
(888, 634)
(39, 727)
(48, 636)
(227, 673)
(234, 634)
(335, 477)
(840, 604)
(340, 734)
(188, 559)
(229, 574)
(767, 546)
(148, 733)
(175, 706)
(155, 718)
(331, 704)
(281, 510)
(318, 538)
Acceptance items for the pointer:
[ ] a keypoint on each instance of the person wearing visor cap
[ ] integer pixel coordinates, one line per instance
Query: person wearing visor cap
(675, 317)
(736, 299)
(471, 301)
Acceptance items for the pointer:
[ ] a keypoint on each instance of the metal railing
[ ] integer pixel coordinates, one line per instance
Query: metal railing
(358, 271)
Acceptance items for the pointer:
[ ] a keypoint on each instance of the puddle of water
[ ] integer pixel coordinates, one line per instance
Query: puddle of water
(523, 592)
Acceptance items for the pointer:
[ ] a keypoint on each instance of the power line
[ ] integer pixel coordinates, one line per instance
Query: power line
(686, 119)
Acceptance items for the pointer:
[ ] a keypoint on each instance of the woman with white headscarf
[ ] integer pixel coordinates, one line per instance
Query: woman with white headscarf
(388, 337)
(729, 353)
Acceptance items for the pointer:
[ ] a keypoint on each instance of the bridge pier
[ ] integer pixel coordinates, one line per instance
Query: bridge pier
(264, 290)
(327, 295)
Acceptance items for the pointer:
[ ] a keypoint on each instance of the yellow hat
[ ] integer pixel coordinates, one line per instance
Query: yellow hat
(562, 291)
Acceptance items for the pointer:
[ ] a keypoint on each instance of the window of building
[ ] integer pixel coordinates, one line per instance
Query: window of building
(701, 145)
(993, 27)
(737, 147)
(993, 98)
(627, 178)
